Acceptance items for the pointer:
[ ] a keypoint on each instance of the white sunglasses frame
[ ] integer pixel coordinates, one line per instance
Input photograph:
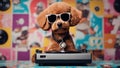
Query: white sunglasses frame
(58, 15)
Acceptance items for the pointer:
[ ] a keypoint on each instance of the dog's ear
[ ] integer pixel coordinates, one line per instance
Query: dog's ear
(76, 16)
(42, 20)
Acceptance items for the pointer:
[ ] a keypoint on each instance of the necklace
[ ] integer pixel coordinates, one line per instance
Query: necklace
(61, 42)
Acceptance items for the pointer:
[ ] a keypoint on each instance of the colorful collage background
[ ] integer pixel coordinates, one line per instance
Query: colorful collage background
(100, 32)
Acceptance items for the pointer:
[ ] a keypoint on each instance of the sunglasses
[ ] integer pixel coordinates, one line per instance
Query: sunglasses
(53, 17)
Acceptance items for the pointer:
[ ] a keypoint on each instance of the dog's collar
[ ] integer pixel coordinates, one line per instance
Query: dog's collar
(61, 40)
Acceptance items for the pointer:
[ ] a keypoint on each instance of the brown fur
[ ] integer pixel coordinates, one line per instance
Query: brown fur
(57, 8)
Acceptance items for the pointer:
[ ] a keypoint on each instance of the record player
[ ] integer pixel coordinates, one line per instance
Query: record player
(68, 58)
(63, 58)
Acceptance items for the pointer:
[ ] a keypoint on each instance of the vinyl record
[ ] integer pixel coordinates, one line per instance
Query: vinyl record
(117, 6)
(3, 36)
(4, 5)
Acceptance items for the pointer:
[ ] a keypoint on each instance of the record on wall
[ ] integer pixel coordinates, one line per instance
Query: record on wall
(4, 5)
(20, 6)
(5, 37)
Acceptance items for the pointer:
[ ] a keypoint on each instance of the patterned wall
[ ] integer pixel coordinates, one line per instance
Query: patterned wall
(100, 32)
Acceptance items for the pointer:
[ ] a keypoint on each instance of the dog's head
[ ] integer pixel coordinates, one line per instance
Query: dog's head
(59, 17)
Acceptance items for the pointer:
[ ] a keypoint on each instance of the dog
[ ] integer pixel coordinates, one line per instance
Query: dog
(58, 18)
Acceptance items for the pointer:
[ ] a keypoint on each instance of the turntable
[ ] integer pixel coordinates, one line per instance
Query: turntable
(62, 58)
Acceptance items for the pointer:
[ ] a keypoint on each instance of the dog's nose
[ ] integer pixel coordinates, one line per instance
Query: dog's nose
(59, 25)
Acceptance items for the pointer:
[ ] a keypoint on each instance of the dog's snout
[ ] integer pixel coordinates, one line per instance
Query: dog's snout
(59, 24)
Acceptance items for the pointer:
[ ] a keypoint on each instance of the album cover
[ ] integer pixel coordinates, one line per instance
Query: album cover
(109, 7)
(82, 29)
(20, 30)
(8, 58)
(97, 7)
(36, 6)
(109, 54)
(92, 36)
(96, 22)
(20, 6)
(5, 54)
(109, 40)
(112, 25)
(6, 20)
(96, 43)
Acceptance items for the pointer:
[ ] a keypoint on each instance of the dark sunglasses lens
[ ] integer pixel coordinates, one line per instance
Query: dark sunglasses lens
(52, 18)
(65, 17)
